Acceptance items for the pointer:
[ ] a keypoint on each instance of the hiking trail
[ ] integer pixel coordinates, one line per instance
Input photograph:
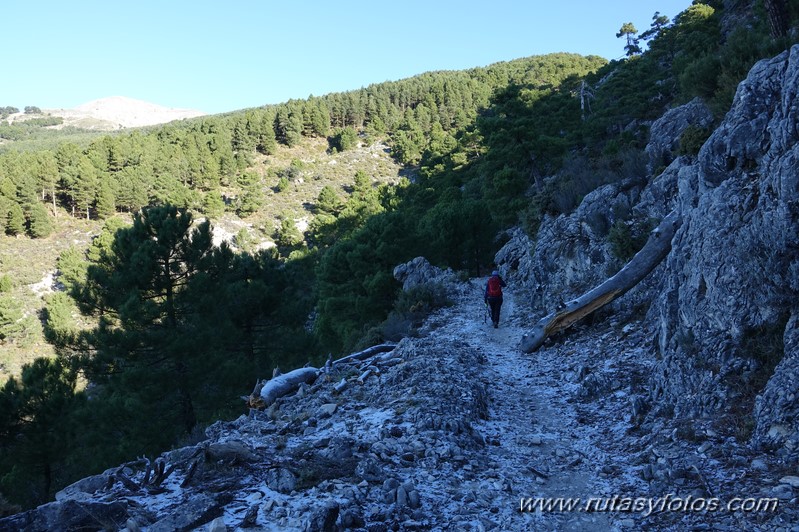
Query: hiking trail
(534, 435)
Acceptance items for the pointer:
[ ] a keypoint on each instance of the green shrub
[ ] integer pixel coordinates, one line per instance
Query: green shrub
(59, 325)
(12, 323)
(344, 138)
(288, 236)
(414, 305)
(627, 237)
(244, 240)
(764, 347)
(213, 204)
(692, 139)
(700, 77)
(282, 184)
(39, 224)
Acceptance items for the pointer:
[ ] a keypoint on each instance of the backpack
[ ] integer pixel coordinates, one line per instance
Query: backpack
(494, 288)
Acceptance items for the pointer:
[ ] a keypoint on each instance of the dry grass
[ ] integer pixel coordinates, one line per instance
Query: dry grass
(317, 169)
(29, 262)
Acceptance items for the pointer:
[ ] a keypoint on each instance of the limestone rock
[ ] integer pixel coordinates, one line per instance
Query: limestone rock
(230, 450)
(665, 132)
(731, 274)
(420, 272)
(68, 515)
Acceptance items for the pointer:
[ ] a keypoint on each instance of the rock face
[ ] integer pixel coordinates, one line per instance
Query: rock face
(731, 281)
(723, 303)
(665, 132)
(571, 253)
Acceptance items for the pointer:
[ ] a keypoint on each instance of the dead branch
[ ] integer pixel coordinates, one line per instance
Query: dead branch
(190, 474)
(646, 260)
(371, 370)
(366, 353)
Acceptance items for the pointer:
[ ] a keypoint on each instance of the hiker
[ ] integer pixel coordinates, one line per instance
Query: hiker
(493, 295)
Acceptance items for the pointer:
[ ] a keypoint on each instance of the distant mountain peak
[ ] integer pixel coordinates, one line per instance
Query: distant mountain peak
(129, 112)
(117, 112)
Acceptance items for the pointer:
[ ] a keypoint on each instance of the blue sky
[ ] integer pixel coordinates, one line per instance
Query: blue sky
(225, 55)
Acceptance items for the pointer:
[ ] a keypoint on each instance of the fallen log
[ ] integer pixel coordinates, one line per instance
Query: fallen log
(286, 383)
(342, 384)
(266, 393)
(366, 353)
(371, 370)
(654, 251)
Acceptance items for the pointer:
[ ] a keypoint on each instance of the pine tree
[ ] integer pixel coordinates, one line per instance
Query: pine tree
(5, 208)
(252, 196)
(288, 236)
(319, 118)
(344, 138)
(36, 430)
(241, 140)
(628, 30)
(288, 124)
(47, 175)
(134, 189)
(11, 323)
(328, 201)
(15, 221)
(72, 266)
(60, 326)
(106, 199)
(659, 22)
(213, 204)
(68, 156)
(84, 189)
(39, 224)
(267, 142)
(144, 286)
(27, 193)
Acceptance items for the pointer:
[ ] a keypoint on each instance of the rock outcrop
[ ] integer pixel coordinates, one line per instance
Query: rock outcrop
(665, 132)
(419, 272)
(724, 301)
(730, 283)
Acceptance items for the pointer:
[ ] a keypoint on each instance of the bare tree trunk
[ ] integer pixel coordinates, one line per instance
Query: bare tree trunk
(777, 17)
(646, 260)
(366, 353)
(286, 383)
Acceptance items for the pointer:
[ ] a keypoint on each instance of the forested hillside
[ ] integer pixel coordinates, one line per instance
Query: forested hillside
(159, 331)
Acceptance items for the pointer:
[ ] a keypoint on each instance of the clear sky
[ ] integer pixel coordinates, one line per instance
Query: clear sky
(225, 55)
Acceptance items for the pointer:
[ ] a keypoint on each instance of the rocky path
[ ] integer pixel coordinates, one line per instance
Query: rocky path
(454, 429)
(564, 426)
(535, 448)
